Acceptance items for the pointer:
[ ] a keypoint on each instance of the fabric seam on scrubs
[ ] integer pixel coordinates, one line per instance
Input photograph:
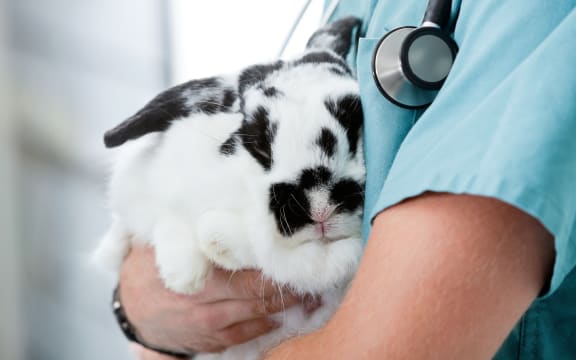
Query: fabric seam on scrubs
(529, 343)
(521, 337)
(535, 348)
(473, 184)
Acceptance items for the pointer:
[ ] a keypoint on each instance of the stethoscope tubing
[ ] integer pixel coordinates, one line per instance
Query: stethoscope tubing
(293, 28)
(290, 34)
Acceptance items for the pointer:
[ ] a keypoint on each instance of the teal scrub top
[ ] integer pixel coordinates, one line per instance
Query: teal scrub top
(503, 126)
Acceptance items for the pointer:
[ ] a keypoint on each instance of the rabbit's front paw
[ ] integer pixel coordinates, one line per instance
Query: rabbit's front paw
(219, 233)
(181, 264)
(219, 254)
(112, 248)
(184, 283)
(186, 275)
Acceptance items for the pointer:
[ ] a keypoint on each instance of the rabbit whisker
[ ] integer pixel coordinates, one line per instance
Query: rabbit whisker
(284, 219)
(300, 205)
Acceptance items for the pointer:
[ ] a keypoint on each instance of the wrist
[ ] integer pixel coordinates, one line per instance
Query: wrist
(131, 333)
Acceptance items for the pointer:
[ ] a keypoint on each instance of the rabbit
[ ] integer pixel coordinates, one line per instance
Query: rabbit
(260, 169)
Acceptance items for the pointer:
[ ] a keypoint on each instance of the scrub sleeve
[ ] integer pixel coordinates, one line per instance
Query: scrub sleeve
(502, 126)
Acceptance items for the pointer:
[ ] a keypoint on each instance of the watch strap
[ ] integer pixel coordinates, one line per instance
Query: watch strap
(130, 331)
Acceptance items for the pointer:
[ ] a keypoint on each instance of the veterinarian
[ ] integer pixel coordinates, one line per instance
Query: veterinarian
(470, 208)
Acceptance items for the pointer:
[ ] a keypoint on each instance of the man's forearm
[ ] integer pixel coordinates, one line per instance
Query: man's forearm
(444, 276)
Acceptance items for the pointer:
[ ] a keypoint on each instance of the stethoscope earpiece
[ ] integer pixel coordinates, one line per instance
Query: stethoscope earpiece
(410, 64)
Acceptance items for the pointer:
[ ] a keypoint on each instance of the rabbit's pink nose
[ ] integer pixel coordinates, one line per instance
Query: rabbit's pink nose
(321, 216)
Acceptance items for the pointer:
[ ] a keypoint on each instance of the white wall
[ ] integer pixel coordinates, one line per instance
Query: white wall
(221, 36)
(77, 67)
(11, 341)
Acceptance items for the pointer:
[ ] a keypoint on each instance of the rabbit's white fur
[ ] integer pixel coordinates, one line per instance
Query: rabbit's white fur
(176, 191)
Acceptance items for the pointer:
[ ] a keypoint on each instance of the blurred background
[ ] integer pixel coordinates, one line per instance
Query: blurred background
(69, 70)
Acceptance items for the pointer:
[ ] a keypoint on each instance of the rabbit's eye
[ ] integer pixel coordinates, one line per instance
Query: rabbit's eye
(347, 194)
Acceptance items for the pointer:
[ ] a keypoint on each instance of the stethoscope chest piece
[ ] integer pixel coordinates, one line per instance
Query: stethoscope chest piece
(410, 64)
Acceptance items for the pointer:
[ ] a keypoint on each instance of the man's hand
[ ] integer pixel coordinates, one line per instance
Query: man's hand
(233, 307)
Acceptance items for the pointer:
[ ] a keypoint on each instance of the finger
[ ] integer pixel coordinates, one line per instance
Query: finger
(139, 267)
(141, 252)
(223, 314)
(245, 331)
(145, 354)
(239, 285)
(277, 302)
(137, 350)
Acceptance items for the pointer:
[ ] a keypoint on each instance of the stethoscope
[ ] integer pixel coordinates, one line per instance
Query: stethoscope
(410, 64)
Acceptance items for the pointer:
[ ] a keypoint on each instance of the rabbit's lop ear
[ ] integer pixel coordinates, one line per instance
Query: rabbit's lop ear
(210, 96)
(336, 36)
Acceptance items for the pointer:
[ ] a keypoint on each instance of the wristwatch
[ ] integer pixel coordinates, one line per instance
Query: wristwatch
(130, 331)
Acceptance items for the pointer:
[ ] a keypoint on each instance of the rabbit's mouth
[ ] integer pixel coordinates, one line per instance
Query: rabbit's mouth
(325, 232)
(330, 239)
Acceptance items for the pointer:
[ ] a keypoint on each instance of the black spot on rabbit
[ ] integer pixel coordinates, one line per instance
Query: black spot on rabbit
(210, 96)
(348, 111)
(327, 141)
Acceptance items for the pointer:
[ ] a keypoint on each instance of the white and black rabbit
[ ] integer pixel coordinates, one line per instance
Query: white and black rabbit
(263, 169)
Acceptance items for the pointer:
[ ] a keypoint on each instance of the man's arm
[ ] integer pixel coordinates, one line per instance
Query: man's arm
(444, 277)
